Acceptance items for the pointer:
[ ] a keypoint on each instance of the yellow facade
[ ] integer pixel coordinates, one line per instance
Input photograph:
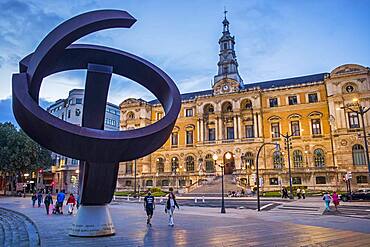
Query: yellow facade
(322, 149)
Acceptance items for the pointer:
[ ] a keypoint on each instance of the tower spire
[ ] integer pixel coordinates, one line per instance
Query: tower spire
(227, 65)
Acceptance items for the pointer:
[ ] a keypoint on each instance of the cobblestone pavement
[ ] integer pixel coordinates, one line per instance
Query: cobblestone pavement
(202, 227)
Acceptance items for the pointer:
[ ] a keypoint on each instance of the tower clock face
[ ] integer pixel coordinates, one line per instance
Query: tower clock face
(225, 88)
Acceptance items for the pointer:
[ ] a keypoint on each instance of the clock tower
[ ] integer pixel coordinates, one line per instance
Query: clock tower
(228, 78)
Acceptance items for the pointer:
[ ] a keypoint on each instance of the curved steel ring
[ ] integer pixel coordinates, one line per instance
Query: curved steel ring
(80, 142)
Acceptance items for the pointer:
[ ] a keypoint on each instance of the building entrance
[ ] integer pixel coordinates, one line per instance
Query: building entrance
(229, 163)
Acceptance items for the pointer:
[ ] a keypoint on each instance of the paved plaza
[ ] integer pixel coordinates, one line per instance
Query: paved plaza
(198, 226)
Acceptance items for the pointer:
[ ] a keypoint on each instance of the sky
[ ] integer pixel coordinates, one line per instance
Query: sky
(274, 40)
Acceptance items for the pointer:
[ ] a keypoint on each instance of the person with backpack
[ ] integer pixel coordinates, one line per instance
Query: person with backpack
(171, 204)
(149, 206)
(48, 201)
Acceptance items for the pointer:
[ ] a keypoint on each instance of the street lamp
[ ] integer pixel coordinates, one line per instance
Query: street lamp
(257, 177)
(215, 157)
(288, 146)
(135, 178)
(360, 110)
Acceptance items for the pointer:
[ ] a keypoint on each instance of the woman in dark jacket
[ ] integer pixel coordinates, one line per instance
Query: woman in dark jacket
(48, 201)
(171, 204)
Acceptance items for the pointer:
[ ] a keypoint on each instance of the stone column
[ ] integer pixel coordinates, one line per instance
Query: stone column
(259, 125)
(201, 130)
(235, 127)
(198, 130)
(216, 129)
(239, 128)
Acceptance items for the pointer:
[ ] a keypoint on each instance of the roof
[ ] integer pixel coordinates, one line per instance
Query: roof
(261, 85)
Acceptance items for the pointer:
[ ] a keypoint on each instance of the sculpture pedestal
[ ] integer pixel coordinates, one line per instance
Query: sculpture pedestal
(92, 221)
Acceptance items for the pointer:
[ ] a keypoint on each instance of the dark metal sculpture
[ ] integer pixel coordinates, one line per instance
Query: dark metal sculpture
(99, 150)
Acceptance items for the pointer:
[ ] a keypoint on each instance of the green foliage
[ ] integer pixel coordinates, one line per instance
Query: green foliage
(271, 194)
(19, 153)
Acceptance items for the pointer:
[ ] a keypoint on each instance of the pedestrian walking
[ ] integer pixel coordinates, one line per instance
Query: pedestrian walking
(285, 193)
(71, 202)
(171, 204)
(149, 206)
(47, 202)
(327, 199)
(303, 194)
(34, 198)
(335, 200)
(78, 200)
(299, 193)
(39, 198)
(60, 199)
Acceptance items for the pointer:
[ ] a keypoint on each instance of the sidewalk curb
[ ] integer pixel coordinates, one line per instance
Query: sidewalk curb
(36, 237)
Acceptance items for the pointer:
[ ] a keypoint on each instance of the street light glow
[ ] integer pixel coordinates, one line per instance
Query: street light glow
(355, 100)
(228, 155)
(214, 157)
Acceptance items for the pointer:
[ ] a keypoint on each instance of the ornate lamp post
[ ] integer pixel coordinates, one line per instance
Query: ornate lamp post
(360, 110)
(215, 157)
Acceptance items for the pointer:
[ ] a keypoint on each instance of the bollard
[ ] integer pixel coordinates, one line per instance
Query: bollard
(114, 197)
(139, 198)
(203, 199)
(128, 197)
(196, 199)
(161, 200)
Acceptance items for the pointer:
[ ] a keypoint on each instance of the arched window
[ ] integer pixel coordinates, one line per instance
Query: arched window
(227, 107)
(248, 104)
(189, 163)
(248, 159)
(210, 166)
(358, 155)
(319, 157)
(160, 165)
(129, 166)
(208, 109)
(278, 160)
(297, 158)
(174, 164)
(130, 115)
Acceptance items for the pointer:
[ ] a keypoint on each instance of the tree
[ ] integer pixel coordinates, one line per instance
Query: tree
(19, 154)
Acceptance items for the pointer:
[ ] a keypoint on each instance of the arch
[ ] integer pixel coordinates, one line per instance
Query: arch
(226, 107)
(358, 155)
(278, 160)
(189, 162)
(297, 158)
(210, 163)
(294, 116)
(315, 114)
(348, 69)
(229, 164)
(246, 104)
(319, 157)
(130, 115)
(160, 164)
(190, 127)
(274, 118)
(208, 109)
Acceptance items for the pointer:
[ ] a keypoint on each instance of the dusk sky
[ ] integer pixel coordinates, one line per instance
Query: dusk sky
(274, 39)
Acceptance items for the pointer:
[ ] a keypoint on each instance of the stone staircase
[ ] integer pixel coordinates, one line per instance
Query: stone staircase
(17, 230)
(214, 188)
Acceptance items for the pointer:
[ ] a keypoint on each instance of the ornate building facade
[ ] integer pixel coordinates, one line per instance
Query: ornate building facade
(237, 118)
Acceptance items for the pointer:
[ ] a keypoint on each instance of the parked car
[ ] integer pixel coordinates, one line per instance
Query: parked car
(360, 194)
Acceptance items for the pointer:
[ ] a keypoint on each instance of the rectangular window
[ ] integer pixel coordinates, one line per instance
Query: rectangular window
(316, 127)
(182, 182)
(361, 179)
(297, 180)
(74, 162)
(273, 102)
(79, 101)
(189, 112)
(230, 133)
(320, 180)
(129, 168)
(128, 182)
(159, 115)
(69, 113)
(62, 116)
(292, 100)
(70, 102)
(312, 98)
(274, 181)
(211, 134)
(275, 130)
(189, 137)
(353, 120)
(249, 131)
(110, 122)
(174, 139)
(294, 127)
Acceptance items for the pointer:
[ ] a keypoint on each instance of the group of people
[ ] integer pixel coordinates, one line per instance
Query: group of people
(327, 198)
(171, 204)
(58, 207)
(236, 193)
(301, 193)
